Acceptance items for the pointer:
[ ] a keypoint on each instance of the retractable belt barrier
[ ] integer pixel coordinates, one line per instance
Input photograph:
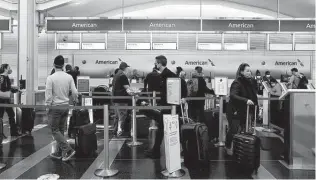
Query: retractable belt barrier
(106, 172)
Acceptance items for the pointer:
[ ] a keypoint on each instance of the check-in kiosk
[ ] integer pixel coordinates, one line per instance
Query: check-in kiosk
(299, 130)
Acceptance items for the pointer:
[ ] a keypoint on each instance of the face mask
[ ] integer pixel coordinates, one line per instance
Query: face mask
(268, 76)
(258, 77)
(10, 71)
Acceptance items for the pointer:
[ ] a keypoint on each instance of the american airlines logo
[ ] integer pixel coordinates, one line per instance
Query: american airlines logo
(289, 63)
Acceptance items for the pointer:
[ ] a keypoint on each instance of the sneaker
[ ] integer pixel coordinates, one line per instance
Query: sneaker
(56, 155)
(69, 155)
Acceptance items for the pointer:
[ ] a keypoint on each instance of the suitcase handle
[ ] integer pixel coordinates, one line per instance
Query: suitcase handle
(184, 106)
(247, 119)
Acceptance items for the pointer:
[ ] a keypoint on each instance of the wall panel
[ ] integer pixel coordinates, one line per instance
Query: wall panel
(187, 42)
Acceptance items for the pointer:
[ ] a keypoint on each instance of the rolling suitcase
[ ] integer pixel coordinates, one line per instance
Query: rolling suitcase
(194, 140)
(25, 118)
(78, 118)
(246, 148)
(86, 140)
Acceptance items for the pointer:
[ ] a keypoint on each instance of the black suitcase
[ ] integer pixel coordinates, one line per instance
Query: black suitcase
(212, 122)
(246, 148)
(194, 140)
(98, 113)
(86, 140)
(79, 117)
(25, 118)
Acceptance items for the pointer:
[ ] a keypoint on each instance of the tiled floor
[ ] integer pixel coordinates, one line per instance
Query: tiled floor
(28, 158)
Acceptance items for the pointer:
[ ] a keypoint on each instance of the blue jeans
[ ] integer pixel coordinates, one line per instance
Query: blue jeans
(121, 115)
(57, 120)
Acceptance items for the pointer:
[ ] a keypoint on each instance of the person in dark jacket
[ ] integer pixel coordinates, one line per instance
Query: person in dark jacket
(242, 93)
(151, 81)
(268, 78)
(196, 108)
(179, 70)
(184, 88)
(5, 94)
(160, 64)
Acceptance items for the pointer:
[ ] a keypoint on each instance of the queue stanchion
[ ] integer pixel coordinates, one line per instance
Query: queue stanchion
(106, 172)
(153, 122)
(134, 126)
(221, 142)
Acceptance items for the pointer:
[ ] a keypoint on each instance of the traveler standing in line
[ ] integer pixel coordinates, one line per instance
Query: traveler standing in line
(196, 108)
(242, 93)
(258, 80)
(58, 87)
(5, 94)
(151, 82)
(268, 78)
(179, 70)
(184, 88)
(294, 79)
(116, 117)
(122, 88)
(297, 80)
(161, 65)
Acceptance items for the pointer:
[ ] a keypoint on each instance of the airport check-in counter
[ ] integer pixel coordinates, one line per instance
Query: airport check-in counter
(299, 130)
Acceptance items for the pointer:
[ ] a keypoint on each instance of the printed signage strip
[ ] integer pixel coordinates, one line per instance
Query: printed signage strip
(54, 25)
(174, 25)
(240, 25)
(297, 25)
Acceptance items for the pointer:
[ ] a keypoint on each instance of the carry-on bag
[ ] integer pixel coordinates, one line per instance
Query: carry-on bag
(194, 140)
(246, 148)
(25, 118)
(79, 117)
(86, 140)
(98, 113)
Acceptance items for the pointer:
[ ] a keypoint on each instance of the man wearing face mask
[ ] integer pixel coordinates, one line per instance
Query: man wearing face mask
(160, 64)
(5, 94)
(267, 78)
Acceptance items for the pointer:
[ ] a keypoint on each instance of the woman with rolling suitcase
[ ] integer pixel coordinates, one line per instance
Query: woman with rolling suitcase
(242, 94)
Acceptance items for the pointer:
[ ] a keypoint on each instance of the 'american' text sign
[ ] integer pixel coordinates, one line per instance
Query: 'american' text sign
(240, 25)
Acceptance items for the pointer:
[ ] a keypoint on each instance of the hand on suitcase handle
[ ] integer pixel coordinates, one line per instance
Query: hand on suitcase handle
(249, 102)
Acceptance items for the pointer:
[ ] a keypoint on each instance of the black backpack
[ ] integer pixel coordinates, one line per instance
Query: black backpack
(302, 83)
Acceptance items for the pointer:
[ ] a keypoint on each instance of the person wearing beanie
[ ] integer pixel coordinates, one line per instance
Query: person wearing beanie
(58, 86)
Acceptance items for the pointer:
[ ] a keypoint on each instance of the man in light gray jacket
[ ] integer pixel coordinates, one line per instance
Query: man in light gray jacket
(58, 87)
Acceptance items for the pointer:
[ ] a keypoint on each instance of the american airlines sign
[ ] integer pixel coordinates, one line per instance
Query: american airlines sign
(54, 25)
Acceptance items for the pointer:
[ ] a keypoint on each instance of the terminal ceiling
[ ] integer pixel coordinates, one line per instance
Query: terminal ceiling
(92, 8)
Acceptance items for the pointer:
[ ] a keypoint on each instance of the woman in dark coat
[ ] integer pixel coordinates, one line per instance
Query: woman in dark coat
(242, 93)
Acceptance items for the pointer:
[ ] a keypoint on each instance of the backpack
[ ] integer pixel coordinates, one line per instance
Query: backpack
(302, 83)
(193, 87)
